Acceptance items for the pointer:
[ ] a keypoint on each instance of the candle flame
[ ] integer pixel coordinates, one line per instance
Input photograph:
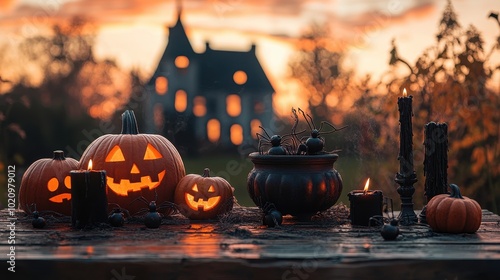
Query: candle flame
(367, 184)
(404, 92)
(90, 165)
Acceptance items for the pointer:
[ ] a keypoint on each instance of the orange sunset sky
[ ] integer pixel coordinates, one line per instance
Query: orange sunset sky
(133, 31)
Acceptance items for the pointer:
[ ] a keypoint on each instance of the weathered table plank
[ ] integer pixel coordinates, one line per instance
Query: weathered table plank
(239, 247)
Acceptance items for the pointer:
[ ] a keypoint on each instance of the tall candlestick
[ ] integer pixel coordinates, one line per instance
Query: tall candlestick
(88, 197)
(435, 162)
(436, 159)
(405, 135)
(406, 176)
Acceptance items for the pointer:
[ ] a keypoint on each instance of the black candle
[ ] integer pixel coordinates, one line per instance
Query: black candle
(436, 159)
(88, 197)
(365, 204)
(405, 135)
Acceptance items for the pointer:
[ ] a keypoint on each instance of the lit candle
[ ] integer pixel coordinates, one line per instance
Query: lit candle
(88, 197)
(405, 135)
(364, 205)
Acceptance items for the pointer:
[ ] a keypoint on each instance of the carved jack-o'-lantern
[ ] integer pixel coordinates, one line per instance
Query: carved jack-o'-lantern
(47, 184)
(203, 197)
(136, 165)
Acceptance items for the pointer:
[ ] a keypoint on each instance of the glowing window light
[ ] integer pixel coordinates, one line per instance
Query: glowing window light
(213, 130)
(180, 101)
(199, 106)
(233, 105)
(161, 85)
(236, 134)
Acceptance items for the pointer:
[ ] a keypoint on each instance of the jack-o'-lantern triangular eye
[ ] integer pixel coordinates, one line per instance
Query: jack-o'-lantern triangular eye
(211, 189)
(152, 153)
(115, 155)
(195, 188)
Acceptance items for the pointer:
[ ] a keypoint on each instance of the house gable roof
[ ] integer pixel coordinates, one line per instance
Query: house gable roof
(218, 68)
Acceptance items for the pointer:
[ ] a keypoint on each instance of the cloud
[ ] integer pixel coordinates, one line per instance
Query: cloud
(6, 4)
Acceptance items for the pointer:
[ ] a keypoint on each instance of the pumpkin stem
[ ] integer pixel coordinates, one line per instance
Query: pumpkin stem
(129, 123)
(455, 191)
(206, 172)
(59, 155)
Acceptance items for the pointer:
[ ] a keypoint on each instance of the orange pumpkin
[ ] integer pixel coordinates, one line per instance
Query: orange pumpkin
(453, 213)
(203, 197)
(137, 165)
(47, 184)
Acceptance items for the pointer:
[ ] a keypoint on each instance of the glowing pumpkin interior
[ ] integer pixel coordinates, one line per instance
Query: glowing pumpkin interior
(202, 201)
(53, 185)
(124, 185)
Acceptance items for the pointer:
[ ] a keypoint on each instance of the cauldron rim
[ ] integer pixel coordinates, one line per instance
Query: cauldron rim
(258, 158)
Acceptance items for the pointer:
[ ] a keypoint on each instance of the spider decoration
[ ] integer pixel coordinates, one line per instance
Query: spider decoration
(300, 148)
(315, 142)
(271, 217)
(279, 144)
(117, 216)
(389, 231)
(152, 219)
(37, 222)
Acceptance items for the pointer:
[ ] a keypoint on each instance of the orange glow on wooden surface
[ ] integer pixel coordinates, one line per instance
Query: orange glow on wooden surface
(213, 130)
(233, 105)
(180, 101)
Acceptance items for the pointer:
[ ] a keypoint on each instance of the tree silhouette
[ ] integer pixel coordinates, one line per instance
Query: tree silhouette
(317, 65)
(56, 110)
(449, 82)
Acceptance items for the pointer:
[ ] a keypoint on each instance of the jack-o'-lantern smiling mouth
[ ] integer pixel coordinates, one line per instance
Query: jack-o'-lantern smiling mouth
(60, 197)
(125, 186)
(205, 205)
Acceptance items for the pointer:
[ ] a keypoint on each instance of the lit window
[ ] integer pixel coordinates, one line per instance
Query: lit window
(236, 134)
(161, 85)
(254, 127)
(180, 101)
(240, 77)
(158, 118)
(199, 106)
(259, 107)
(233, 105)
(213, 130)
(181, 62)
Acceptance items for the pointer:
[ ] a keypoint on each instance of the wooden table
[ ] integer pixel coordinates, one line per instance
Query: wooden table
(239, 247)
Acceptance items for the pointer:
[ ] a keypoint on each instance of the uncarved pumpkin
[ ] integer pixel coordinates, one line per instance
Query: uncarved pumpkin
(453, 213)
(203, 197)
(136, 165)
(46, 184)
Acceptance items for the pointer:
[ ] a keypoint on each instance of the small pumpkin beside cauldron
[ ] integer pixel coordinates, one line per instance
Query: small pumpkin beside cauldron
(46, 185)
(203, 197)
(453, 213)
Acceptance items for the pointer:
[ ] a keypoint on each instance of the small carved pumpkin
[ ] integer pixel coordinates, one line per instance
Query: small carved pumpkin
(136, 165)
(203, 197)
(453, 213)
(47, 184)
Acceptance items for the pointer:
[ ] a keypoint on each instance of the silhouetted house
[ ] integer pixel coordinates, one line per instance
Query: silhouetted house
(210, 100)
